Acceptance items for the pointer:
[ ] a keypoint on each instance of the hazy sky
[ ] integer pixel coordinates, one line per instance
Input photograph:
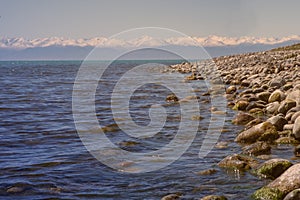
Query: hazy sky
(91, 18)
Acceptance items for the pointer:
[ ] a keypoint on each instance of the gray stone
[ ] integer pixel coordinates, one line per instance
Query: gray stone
(288, 127)
(294, 95)
(273, 168)
(256, 149)
(172, 197)
(277, 82)
(214, 197)
(288, 181)
(286, 105)
(237, 161)
(295, 116)
(272, 108)
(297, 151)
(296, 128)
(293, 195)
(262, 132)
(278, 122)
(277, 95)
(263, 96)
(231, 89)
(242, 118)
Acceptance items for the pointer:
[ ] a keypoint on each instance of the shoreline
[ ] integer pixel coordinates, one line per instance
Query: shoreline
(264, 90)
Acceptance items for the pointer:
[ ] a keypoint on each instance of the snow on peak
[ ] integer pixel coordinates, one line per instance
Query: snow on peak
(212, 40)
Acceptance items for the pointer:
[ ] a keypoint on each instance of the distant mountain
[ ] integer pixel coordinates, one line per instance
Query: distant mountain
(69, 49)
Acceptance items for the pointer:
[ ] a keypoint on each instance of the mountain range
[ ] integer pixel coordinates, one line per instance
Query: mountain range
(77, 49)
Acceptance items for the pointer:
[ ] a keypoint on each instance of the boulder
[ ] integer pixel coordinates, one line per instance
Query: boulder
(172, 98)
(286, 140)
(277, 95)
(172, 197)
(256, 149)
(294, 95)
(297, 151)
(231, 89)
(278, 121)
(293, 195)
(267, 193)
(241, 105)
(242, 118)
(295, 116)
(272, 108)
(296, 128)
(286, 105)
(288, 181)
(237, 161)
(273, 168)
(263, 96)
(277, 82)
(254, 104)
(257, 111)
(262, 132)
(214, 197)
(288, 127)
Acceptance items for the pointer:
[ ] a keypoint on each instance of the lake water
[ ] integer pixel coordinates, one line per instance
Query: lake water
(43, 157)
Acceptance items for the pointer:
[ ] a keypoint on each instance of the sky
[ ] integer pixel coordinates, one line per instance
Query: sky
(94, 18)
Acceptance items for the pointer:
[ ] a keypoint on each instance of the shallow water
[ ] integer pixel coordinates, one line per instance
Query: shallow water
(42, 156)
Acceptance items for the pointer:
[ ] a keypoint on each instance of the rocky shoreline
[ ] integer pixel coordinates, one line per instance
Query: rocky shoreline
(264, 89)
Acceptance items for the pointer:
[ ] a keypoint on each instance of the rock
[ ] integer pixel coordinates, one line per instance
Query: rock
(245, 83)
(272, 108)
(245, 92)
(285, 133)
(296, 128)
(278, 121)
(257, 111)
(258, 90)
(231, 89)
(241, 105)
(273, 168)
(214, 197)
(256, 149)
(294, 95)
(197, 118)
(207, 172)
(253, 123)
(172, 98)
(277, 82)
(237, 161)
(267, 193)
(286, 140)
(263, 96)
(289, 115)
(295, 109)
(288, 181)
(15, 189)
(221, 145)
(286, 105)
(254, 104)
(287, 86)
(172, 197)
(295, 116)
(277, 95)
(293, 195)
(288, 127)
(297, 151)
(262, 132)
(242, 118)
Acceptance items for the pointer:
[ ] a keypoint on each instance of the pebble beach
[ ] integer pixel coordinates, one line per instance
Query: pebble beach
(264, 90)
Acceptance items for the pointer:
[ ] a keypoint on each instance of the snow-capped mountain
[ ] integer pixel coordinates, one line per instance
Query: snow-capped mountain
(210, 41)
